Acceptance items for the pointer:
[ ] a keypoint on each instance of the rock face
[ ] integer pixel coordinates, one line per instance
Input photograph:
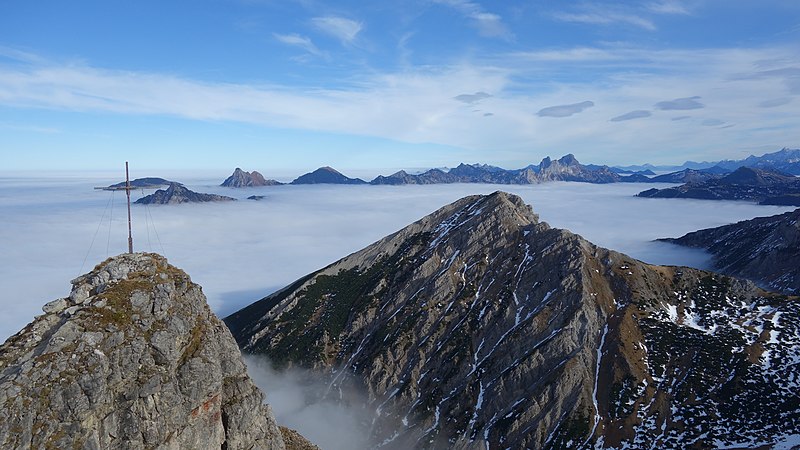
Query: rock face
(178, 193)
(745, 183)
(479, 326)
(240, 178)
(132, 359)
(765, 250)
(326, 175)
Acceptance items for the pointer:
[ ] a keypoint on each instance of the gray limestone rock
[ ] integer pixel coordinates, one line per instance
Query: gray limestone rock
(133, 359)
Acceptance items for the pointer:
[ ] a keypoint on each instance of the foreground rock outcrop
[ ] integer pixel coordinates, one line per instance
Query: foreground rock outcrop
(479, 326)
(765, 250)
(132, 359)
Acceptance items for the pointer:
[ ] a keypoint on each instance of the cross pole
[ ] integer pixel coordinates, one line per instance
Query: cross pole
(128, 193)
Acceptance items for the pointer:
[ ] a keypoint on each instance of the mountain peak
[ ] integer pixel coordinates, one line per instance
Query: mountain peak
(328, 169)
(132, 357)
(241, 178)
(326, 175)
(478, 325)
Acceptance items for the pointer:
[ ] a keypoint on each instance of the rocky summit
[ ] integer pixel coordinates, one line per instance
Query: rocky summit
(240, 178)
(480, 326)
(326, 175)
(178, 193)
(765, 249)
(132, 359)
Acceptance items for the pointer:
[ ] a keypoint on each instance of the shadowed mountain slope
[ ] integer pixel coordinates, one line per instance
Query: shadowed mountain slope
(745, 183)
(765, 249)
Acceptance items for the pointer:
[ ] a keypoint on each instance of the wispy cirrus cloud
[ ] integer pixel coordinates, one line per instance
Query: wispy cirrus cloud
(595, 15)
(488, 24)
(297, 40)
(345, 30)
(668, 7)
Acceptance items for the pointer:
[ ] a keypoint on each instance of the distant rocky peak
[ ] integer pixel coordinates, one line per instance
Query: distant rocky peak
(241, 178)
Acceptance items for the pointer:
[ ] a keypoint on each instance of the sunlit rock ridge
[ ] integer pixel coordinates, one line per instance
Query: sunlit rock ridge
(479, 326)
(132, 359)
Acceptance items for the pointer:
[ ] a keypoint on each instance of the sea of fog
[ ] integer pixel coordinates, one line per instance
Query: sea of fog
(57, 227)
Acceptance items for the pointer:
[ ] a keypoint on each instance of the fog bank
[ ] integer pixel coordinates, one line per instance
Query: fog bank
(56, 228)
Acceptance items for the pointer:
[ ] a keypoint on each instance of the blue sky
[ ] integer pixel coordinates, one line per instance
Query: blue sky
(289, 85)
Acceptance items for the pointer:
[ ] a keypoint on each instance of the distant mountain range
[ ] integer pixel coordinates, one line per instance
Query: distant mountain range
(785, 160)
(566, 168)
(479, 326)
(702, 180)
(746, 183)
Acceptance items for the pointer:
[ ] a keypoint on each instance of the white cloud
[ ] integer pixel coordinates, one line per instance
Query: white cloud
(345, 30)
(417, 106)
